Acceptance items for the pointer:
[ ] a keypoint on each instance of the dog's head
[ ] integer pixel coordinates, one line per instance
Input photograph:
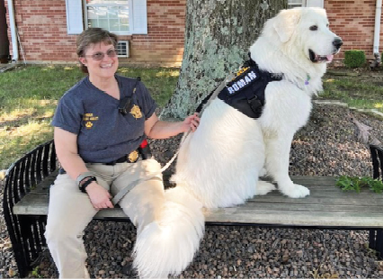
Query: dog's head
(307, 28)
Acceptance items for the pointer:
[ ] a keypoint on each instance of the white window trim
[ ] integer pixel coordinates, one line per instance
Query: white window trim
(304, 3)
(77, 17)
(130, 8)
(74, 17)
(296, 3)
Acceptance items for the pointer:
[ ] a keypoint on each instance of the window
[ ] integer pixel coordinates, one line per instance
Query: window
(112, 15)
(294, 3)
(122, 17)
(123, 48)
(305, 3)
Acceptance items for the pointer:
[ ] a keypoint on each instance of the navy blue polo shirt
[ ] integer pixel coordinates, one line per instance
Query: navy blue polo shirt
(103, 133)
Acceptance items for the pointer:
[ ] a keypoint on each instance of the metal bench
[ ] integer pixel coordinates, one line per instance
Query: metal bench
(28, 181)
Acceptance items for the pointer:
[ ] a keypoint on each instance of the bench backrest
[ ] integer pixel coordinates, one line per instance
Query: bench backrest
(27, 234)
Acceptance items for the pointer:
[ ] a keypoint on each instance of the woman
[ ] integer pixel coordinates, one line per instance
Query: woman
(99, 125)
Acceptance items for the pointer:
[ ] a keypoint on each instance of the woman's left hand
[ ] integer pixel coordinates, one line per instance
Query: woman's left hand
(191, 122)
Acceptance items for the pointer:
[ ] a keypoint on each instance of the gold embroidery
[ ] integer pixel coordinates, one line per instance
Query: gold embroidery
(136, 112)
(88, 125)
(241, 71)
(89, 118)
(133, 156)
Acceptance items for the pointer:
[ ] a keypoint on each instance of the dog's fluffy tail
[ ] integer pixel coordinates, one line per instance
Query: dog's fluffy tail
(168, 246)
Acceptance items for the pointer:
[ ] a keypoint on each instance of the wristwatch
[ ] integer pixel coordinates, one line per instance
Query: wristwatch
(85, 182)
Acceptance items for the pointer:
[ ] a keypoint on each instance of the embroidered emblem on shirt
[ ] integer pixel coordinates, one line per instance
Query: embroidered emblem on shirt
(133, 156)
(89, 118)
(136, 112)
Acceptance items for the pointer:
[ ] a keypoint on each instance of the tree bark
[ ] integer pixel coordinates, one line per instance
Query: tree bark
(218, 34)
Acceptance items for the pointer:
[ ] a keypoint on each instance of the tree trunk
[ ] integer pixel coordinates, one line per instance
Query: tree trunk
(217, 38)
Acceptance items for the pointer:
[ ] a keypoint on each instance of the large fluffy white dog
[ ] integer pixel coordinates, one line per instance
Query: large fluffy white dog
(219, 164)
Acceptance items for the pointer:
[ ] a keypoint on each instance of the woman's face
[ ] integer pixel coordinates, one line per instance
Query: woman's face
(101, 60)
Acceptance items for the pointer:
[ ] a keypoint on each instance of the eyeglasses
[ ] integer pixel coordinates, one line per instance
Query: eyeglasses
(98, 56)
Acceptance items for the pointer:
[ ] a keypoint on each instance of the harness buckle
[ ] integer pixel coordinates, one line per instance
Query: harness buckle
(256, 105)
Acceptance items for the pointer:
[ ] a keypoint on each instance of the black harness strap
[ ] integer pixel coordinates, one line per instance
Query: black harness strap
(246, 92)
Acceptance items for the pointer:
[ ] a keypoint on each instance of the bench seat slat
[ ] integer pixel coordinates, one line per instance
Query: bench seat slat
(327, 206)
(355, 220)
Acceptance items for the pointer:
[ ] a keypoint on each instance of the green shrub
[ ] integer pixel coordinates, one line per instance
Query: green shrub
(354, 58)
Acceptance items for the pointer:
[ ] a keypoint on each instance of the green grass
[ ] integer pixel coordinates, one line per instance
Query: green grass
(358, 92)
(29, 95)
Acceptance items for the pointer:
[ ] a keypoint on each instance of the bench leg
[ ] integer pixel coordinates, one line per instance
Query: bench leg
(376, 241)
(27, 237)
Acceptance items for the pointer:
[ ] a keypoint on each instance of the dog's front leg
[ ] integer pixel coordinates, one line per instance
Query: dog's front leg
(277, 164)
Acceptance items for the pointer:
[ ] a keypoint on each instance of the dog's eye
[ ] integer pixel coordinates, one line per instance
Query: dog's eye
(314, 28)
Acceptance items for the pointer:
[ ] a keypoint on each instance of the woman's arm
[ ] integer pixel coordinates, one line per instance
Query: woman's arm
(67, 153)
(157, 129)
(72, 163)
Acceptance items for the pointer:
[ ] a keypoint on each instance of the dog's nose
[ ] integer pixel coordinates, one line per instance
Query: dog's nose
(337, 42)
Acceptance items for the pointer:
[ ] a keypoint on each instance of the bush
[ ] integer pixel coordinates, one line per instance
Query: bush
(354, 58)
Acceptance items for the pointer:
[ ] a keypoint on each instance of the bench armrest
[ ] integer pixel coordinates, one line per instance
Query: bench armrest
(377, 161)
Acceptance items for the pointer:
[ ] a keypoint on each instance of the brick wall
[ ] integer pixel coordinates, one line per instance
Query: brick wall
(42, 28)
(43, 33)
(165, 39)
(354, 21)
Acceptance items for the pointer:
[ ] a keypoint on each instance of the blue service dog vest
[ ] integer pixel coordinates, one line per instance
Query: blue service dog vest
(246, 92)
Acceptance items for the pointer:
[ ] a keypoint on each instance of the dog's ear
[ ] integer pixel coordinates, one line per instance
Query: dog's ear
(285, 23)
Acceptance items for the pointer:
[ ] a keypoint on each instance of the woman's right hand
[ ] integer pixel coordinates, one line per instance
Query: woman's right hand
(99, 196)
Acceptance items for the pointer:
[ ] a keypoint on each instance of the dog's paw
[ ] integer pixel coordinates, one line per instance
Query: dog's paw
(263, 188)
(296, 191)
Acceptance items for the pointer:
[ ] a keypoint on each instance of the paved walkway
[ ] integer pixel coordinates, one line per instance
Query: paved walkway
(7, 67)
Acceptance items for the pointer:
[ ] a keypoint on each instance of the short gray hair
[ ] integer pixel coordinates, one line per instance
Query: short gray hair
(93, 36)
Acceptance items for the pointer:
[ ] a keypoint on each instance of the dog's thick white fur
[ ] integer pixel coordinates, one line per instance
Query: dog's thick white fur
(220, 163)
(167, 246)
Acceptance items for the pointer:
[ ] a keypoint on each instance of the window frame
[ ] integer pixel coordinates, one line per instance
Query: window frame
(302, 3)
(295, 3)
(130, 15)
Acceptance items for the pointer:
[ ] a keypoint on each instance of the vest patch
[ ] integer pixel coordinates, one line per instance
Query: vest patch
(241, 83)
(246, 92)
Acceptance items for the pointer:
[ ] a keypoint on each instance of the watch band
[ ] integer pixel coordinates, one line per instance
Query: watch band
(82, 186)
(82, 176)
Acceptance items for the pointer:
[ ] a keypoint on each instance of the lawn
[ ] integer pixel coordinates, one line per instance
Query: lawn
(29, 95)
(360, 88)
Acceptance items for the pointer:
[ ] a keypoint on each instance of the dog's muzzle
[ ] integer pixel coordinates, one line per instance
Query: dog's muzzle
(315, 58)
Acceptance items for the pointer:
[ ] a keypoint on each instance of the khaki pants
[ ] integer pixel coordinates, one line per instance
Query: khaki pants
(70, 210)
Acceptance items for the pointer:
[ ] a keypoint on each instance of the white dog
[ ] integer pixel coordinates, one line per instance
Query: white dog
(219, 164)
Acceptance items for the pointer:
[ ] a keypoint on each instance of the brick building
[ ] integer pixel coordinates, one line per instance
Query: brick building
(152, 30)
(354, 21)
